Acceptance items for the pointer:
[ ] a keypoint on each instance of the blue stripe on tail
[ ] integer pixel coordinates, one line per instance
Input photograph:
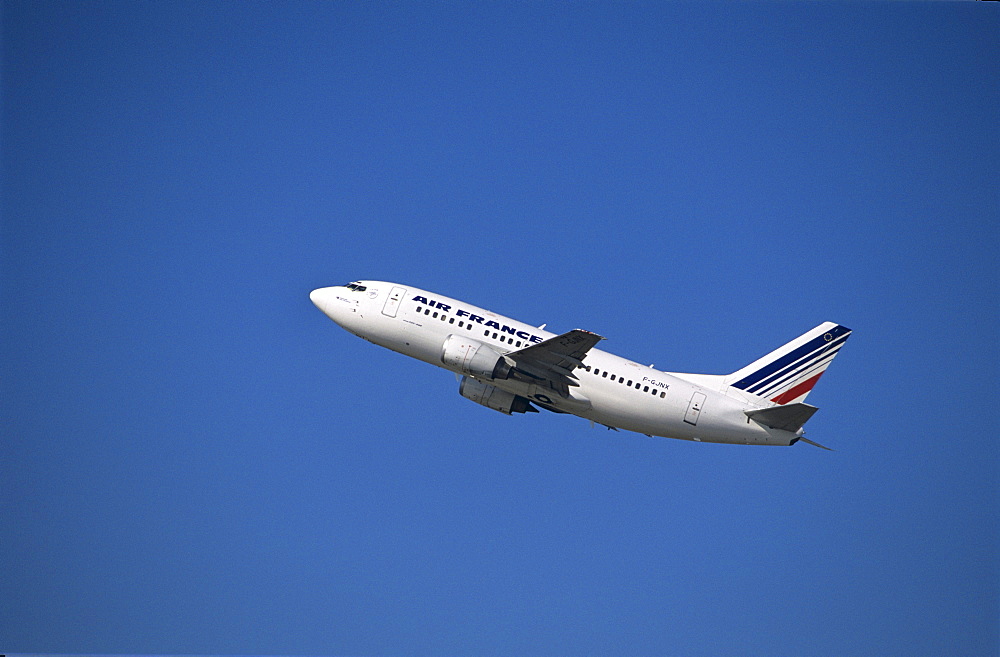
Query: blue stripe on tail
(832, 339)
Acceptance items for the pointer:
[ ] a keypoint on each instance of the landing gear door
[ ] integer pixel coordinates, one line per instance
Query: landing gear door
(694, 408)
(392, 303)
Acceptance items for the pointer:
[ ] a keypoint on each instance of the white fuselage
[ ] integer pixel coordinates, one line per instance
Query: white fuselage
(612, 391)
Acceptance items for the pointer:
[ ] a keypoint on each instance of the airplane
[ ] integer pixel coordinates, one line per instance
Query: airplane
(514, 367)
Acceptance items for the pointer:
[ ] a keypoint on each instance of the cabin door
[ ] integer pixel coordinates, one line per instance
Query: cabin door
(694, 408)
(392, 303)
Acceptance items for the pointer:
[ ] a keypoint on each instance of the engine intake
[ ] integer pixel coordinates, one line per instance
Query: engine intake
(493, 397)
(473, 358)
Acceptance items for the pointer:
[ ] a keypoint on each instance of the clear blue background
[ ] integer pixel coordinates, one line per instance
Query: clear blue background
(194, 459)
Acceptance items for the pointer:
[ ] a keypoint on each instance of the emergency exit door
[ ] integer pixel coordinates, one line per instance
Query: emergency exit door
(694, 408)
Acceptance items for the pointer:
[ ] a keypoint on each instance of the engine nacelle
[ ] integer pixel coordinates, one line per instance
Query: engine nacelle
(493, 397)
(473, 358)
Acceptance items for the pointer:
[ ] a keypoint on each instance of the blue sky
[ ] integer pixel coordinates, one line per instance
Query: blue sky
(194, 459)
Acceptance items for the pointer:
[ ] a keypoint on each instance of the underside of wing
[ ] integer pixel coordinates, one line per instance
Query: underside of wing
(553, 361)
(789, 417)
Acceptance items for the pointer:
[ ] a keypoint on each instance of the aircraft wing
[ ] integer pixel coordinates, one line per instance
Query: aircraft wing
(554, 360)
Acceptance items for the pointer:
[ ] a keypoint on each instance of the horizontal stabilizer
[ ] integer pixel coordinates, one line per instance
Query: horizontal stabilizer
(789, 417)
(806, 440)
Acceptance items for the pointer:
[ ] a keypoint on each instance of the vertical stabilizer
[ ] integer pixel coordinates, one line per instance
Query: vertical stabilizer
(787, 374)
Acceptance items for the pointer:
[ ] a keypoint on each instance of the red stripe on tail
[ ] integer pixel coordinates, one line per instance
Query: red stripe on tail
(797, 391)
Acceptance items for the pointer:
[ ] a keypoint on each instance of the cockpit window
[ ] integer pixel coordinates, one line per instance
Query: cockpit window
(356, 287)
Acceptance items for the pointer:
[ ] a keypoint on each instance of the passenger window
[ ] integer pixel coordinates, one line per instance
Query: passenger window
(503, 339)
(612, 377)
(637, 385)
(630, 384)
(451, 320)
(596, 372)
(435, 315)
(605, 375)
(662, 395)
(517, 344)
(645, 388)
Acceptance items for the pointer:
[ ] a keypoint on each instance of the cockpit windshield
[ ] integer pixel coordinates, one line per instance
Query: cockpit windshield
(357, 287)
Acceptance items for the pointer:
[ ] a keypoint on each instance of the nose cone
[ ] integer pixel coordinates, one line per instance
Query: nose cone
(337, 303)
(321, 298)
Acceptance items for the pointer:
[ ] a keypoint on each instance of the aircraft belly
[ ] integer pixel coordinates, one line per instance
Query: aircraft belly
(720, 420)
(575, 403)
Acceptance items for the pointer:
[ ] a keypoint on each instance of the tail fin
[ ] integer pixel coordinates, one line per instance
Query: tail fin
(787, 374)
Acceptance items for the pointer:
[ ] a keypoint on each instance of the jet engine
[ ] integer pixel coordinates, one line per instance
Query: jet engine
(473, 358)
(493, 397)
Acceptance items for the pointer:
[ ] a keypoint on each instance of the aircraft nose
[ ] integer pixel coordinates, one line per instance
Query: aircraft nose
(321, 298)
